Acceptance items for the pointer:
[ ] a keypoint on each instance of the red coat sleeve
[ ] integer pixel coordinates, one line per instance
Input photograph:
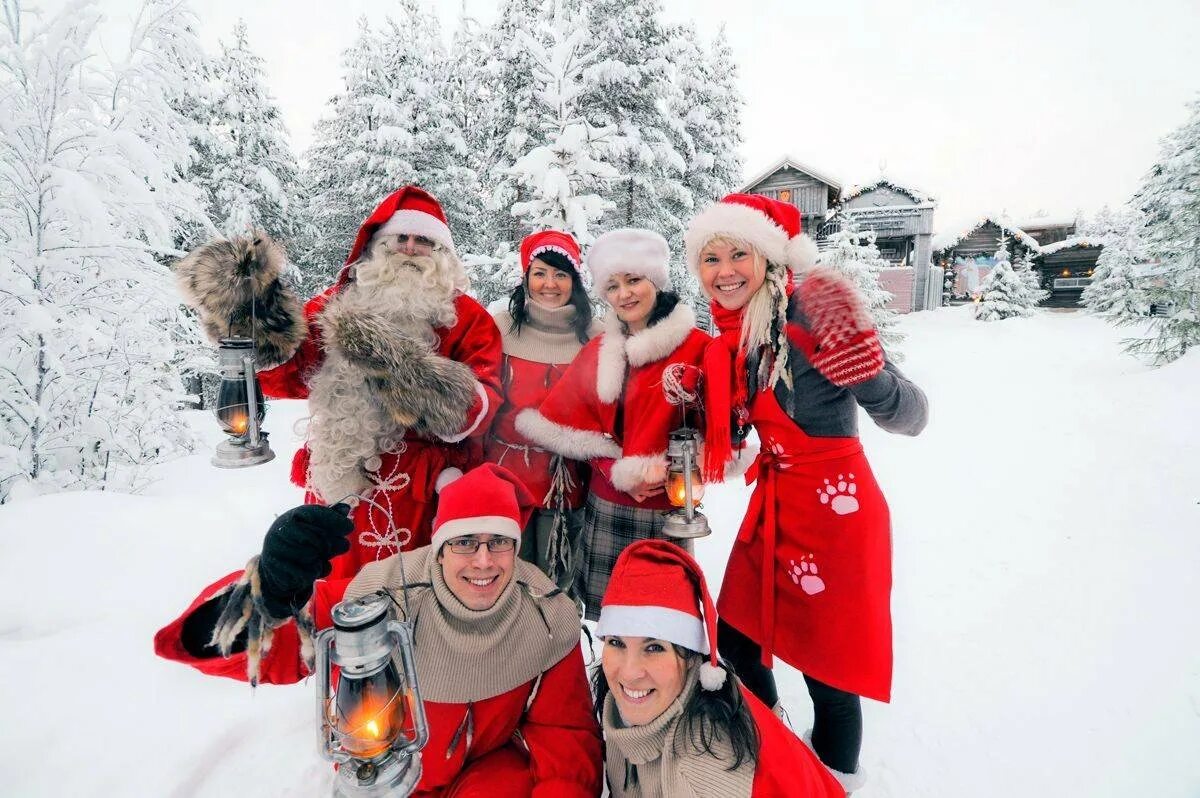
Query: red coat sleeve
(476, 343)
(282, 664)
(290, 380)
(562, 735)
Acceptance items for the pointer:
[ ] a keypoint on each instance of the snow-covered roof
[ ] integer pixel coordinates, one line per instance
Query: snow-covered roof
(785, 162)
(944, 241)
(1044, 222)
(918, 196)
(1071, 243)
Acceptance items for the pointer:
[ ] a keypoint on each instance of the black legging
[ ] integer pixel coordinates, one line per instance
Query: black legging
(837, 715)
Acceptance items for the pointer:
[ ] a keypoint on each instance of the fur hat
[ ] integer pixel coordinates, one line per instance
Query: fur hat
(632, 250)
(657, 590)
(488, 499)
(410, 210)
(546, 245)
(771, 226)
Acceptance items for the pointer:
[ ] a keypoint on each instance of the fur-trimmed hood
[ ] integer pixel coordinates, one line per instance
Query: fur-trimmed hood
(618, 348)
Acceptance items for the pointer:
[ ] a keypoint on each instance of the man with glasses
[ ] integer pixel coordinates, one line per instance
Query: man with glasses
(400, 367)
(498, 655)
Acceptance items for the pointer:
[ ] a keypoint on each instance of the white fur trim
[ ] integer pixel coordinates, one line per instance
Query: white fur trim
(417, 223)
(610, 361)
(849, 781)
(801, 253)
(712, 677)
(579, 444)
(645, 346)
(445, 477)
(737, 221)
(655, 343)
(742, 460)
(629, 472)
(647, 620)
(630, 250)
(500, 525)
(552, 248)
(484, 404)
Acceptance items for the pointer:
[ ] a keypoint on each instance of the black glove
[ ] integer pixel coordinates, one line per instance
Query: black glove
(296, 552)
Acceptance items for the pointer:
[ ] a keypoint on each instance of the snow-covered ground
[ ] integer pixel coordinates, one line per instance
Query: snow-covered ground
(1047, 538)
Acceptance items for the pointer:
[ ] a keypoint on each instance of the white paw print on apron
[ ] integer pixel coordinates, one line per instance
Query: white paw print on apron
(838, 494)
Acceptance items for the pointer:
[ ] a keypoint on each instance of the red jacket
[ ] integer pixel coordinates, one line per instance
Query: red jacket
(787, 768)
(609, 407)
(557, 734)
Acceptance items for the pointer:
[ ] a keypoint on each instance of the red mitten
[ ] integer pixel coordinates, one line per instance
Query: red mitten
(843, 345)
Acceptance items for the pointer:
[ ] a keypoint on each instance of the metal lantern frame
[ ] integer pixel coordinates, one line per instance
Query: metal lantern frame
(363, 642)
(683, 456)
(236, 358)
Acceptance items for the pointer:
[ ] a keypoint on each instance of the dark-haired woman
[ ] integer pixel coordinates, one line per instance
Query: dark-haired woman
(610, 407)
(676, 723)
(549, 319)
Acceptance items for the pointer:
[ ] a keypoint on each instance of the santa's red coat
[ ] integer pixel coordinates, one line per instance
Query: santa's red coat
(407, 478)
(786, 766)
(551, 749)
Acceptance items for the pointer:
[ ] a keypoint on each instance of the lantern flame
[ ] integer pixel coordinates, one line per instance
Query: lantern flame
(239, 424)
(676, 490)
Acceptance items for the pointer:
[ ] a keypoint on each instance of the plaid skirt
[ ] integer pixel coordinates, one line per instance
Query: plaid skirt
(607, 529)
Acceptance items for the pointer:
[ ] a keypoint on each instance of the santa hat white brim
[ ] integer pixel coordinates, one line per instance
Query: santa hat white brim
(661, 623)
(743, 223)
(417, 223)
(500, 525)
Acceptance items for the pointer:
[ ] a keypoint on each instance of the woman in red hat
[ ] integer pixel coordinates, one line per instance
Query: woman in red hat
(548, 320)
(497, 654)
(675, 721)
(809, 577)
(616, 404)
(401, 369)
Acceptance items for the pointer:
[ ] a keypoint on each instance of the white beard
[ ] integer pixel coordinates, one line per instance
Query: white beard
(348, 429)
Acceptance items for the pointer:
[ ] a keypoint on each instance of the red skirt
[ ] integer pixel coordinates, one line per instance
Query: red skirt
(810, 576)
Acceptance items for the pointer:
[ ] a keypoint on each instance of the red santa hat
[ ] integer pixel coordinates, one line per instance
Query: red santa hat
(556, 241)
(410, 210)
(630, 250)
(488, 499)
(770, 226)
(657, 590)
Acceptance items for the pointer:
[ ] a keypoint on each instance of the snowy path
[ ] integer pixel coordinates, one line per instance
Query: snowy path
(1045, 546)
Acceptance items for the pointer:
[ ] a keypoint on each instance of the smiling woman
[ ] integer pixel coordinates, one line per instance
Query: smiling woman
(676, 722)
(609, 407)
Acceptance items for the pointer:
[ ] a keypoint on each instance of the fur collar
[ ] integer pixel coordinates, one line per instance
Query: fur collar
(643, 347)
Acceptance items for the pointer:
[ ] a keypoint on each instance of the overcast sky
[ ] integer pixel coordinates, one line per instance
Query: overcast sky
(1016, 105)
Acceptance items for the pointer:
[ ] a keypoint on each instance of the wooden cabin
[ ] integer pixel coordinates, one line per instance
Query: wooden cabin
(971, 251)
(788, 180)
(1066, 268)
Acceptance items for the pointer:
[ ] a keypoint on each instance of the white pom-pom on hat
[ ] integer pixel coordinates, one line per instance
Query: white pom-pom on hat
(445, 477)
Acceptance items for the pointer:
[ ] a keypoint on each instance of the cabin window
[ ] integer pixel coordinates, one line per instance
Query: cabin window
(785, 195)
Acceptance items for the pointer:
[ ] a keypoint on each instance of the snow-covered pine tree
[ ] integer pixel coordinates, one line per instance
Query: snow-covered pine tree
(853, 253)
(1117, 292)
(1169, 197)
(87, 392)
(630, 88)
(342, 179)
(470, 99)
(1004, 294)
(709, 107)
(514, 112)
(563, 177)
(949, 276)
(1030, 278)
(254, 169)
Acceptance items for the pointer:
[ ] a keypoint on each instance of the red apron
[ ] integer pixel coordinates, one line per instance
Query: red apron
(810, 575)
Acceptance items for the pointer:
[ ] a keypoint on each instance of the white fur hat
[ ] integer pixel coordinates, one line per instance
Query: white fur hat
(631, 250)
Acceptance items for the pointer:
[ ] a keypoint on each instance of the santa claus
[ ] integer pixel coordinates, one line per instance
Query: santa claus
(400, 367)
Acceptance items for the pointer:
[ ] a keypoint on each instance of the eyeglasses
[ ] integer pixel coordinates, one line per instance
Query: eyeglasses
(470, 545)
(400, 241)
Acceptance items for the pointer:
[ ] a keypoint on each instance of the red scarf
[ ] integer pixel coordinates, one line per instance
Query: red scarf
(726, 391)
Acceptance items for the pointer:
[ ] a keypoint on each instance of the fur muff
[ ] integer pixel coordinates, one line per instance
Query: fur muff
(382, 376)
(224, 279)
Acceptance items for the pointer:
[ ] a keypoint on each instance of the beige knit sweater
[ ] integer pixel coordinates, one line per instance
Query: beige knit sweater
(655, 761)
